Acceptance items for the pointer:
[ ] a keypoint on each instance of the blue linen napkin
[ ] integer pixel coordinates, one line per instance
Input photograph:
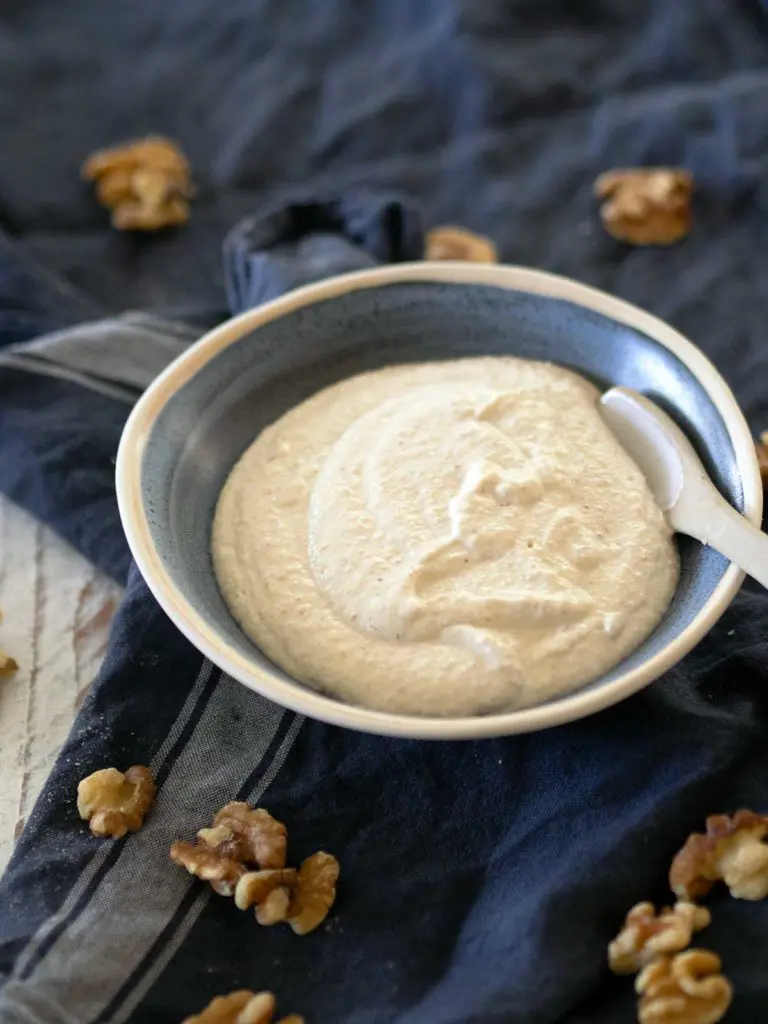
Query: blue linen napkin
(481, 881)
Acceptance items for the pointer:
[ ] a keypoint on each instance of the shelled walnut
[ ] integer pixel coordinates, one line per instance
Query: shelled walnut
(314, 893)
(8, 665)
(251, 836)
(684, 989)
(731, 850)
(145, 182)
(240, 840)
(646, 205)
(454, 243)
(761, 450)
(268, 891)
(114, 802)
(243, 855)
(646, 935)
(209, 865)
(242, 1007)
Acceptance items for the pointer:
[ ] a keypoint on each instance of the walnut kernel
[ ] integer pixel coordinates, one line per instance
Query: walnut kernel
(645, 936)
(269, 891)
(7, 664)
(684, 989)
(209, 865)
(142, 216)
(146, 183)
(115, 803)
(761, 451)
(243, 855)
(731, 850)
(274, 908)
(151, 151)
(314, 893)
(453, 243)
(259, 839)
(240, 840)
(646, 205)
(242, 1007)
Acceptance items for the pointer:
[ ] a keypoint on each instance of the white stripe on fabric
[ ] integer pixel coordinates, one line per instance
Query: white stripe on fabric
(131, 349)
(164, 957)
(99, 858)
(97, 952)
(44, 369)
(124, 1012)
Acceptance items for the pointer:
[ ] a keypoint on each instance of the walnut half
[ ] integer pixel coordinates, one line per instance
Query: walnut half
(684, 989)
(243, 855)
(646, 205)
(761, 451)
(114, 803)
(242, 1007)
(268, 891)
(209, 865)
(645, 936)
(251, 836)
(145, 182)
(731, 850)
(452, 243)
(314, 893)
(240, 840)
(7, 664)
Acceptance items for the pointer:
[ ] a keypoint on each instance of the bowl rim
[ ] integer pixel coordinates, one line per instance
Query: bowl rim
(301, 699)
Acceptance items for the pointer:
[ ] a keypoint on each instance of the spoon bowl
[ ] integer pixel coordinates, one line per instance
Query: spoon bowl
(680, 483)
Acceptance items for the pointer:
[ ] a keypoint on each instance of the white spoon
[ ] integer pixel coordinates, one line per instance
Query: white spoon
(680, 483)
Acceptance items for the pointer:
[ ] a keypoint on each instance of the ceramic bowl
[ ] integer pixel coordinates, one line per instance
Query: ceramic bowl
(197, 418)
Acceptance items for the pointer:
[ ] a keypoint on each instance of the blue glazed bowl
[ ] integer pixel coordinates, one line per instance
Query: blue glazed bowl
(191, 426)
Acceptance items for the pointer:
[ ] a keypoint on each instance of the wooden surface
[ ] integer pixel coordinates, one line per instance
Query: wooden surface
(57, 611)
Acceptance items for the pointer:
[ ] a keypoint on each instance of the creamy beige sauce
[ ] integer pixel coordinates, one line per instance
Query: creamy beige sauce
(444, 539)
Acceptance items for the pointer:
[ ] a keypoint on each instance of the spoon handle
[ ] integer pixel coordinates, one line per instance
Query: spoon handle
(724, 529)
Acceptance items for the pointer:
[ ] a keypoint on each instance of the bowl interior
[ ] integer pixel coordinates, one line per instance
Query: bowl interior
(207, 424)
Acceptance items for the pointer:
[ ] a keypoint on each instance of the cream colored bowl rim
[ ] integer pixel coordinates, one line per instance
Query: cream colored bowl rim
(308, 702)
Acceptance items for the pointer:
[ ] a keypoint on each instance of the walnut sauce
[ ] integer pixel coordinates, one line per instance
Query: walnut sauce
(444, 539)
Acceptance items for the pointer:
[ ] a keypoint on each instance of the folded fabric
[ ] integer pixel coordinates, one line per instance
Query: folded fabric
(479, 881)
(299, 242)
